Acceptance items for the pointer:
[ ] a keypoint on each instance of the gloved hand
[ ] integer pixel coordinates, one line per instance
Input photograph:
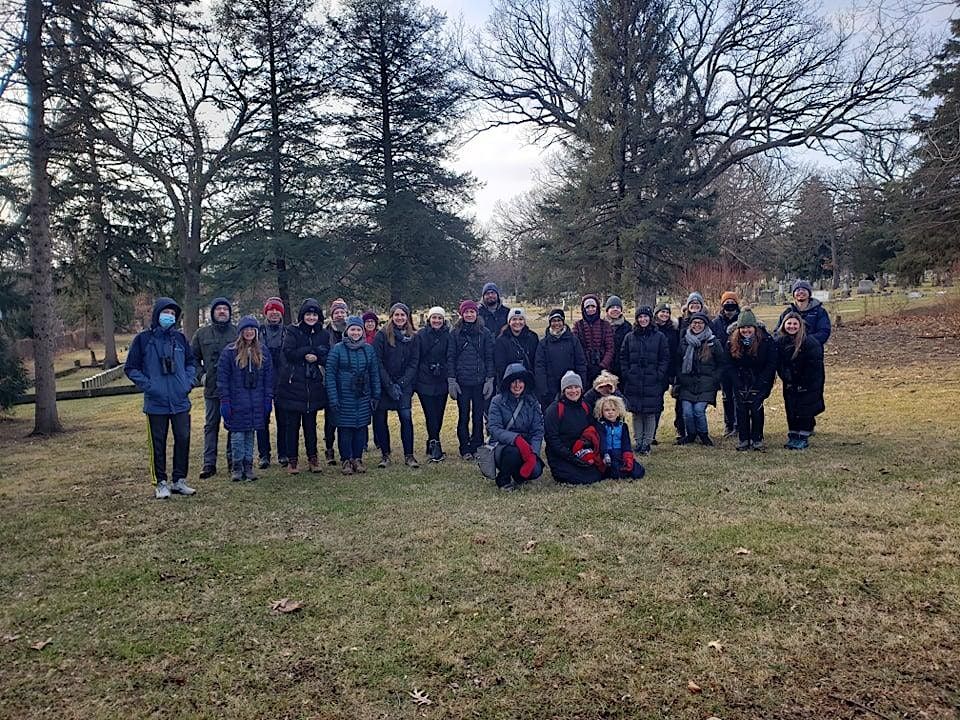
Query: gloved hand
(488, 389)
(225, 411)
(373, 404)
(527, 455)
(396, 392)
(628, 461)
(454, 388)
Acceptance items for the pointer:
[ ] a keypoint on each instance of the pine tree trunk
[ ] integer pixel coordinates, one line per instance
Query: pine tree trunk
(277, 220)
(190, 266)
(46, 418)
(103, 265)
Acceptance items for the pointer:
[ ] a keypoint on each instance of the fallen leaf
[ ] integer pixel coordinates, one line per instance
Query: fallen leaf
(286, 605)
(41, 644)
(10, 638)
(693, 688)
(713, 717)
(420, 697)
(742, 551)
(529, 546)
(715, 645)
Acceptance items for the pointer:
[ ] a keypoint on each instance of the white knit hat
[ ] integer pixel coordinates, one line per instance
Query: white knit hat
(437, 310)
(516, 312)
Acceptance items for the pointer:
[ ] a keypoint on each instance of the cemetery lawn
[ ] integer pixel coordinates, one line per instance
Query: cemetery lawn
(823, 584)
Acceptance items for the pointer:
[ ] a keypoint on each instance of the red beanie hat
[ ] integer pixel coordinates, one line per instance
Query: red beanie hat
(468, 305)
(273, 303)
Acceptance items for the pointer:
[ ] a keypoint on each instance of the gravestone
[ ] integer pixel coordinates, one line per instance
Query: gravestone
(865, 287)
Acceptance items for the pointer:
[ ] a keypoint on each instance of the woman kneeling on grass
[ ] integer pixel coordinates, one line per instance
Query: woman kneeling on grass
(753, 361)
(800, 366)
(516, 424)
(702, 361)
(573, 444)
(353, 390)
(245, 384)
(617, 455)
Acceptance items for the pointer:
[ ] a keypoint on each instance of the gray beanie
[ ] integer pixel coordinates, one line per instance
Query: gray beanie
(570, 379)
(613, 301)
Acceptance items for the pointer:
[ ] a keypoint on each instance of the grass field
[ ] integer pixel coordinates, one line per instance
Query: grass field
(823, 584)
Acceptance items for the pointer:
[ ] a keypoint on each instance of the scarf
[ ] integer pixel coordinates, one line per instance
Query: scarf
(353, 344)
(401, 334)
(694, 342)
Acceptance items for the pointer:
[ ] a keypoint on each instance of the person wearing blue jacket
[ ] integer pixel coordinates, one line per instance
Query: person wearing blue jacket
(245, 385)
(352, 380)
(515, 423)
(161, 364)
(811, 311)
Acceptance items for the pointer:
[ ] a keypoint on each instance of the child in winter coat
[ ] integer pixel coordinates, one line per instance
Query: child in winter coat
(245, 385)
(615, 448)
(606, 383)
(753, 364)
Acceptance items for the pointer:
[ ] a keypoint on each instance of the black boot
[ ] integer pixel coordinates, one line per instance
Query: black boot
(705, 439)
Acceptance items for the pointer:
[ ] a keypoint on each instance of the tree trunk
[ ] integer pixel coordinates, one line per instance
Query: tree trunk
(46, 418)
(190, 266)
(277, 220)
(103, 255)
(389, 179)
(835, 284)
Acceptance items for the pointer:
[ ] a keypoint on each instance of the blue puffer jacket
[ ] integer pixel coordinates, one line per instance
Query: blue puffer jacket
(529, 422)
(249, 391)
(815, 317)
(353, 383)
(153, 352)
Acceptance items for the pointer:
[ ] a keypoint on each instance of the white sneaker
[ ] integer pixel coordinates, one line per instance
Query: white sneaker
(181, 488)
(162, 491)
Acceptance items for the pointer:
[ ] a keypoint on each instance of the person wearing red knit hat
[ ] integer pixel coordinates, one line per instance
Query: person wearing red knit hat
(271, 338)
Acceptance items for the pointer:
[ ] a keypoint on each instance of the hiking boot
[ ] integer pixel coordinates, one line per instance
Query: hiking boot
(248, 472)
(654, 442)
(162, 491)
(644, 450)
(283, 462)
(685, 440)
(705, 439)
(179, 487)
(729, 432)
(802, 443)
(331, 460)
(384, 460)
(467, 457)
(314, 464)
(411, 462)
(441, 455)
(433, 451)
(791, 443)
(208, 471)
(743, 445)
(236, 474)
(292, 468)
(759, 446)
(509, 487)
(358, 467)
(264, 463)
(347, 468)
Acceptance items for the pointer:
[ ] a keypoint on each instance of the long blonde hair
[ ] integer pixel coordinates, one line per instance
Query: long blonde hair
(248, 351)
(799, 337)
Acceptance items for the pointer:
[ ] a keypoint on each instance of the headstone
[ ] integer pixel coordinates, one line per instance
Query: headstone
(914, 294)
(821, 295)
(768, 297)
(865, 287)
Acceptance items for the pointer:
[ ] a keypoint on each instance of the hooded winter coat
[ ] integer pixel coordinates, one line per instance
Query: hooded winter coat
(248, 391)
(555, 355)
(529, 422)
(493, 319)
(645, 361)
(802, 376)
(151, 354)
(352, 383)
(509, 348)
(432, 371)
(596, 338)
(751, 372)
(561, 429)
(399, 364)
(703, 381)
(301, 385)
(206, 345)
(271, 337)
(815, 317)
(470, 355)
(671, 331)
(621, 328)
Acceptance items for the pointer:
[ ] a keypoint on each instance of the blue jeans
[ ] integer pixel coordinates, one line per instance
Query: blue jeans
(241, 445)
(381, 431)
(694, 417)
(352, 442)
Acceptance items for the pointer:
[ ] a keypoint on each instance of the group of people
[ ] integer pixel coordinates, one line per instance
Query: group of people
(569, 391)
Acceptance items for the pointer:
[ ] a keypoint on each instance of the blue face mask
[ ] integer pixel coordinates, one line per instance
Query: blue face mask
(746, 341)
(166, 320)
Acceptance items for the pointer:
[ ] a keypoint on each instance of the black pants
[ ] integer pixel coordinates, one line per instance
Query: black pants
(678, 422)
(470, 406)
(802, 424)
(329, 429)
(730, 407)
(157, 427)
(381, 430)
(749, 420)
(509, 464)
(263, 437)
(308, 420)
(434, 406)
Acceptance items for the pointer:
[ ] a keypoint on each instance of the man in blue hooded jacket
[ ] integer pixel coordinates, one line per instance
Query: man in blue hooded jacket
(160, 363)
(207, 344)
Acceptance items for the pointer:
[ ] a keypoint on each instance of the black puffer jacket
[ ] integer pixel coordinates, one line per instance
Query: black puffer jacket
(645, 360)
(563, 424)
(802, 376)
(432, 369)
(398, 366)
(301, 384)
(470, 357)
(555, 355)
(671, 332)
(620, 331)
(510, 348)
(753, 372)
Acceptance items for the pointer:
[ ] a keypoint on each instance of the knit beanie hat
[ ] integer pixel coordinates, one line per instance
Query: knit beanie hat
(247, 321)
(400, 306)
(644, 310)
(467, 305)
(371, 315)
(801, 284)
(354, 320)
(613, 301)
(588, 298)
(747, 319)
(700, 316)
(273, 303)
(490, 287)
(339, 303)
(570, 379)
(436, 310)
(729, 297)
(694, 297)
(661, 306)
(516, 312)
(556, 313)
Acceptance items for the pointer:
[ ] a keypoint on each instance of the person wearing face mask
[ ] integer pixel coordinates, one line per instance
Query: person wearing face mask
(753, 366)
(702, 362)
(645, 359)
(301, 393)
(800, 366)
(271, 336)
(161, 364)
(721, 326)
(810, 310)
(570, 433)
(596, 338)
(207, 344)
(432, 385)
(621, 328)
(558, 352)
(516, 426)
(399, 354)
(516, 343)
(353, 390)
(470, 376)
(336, 326)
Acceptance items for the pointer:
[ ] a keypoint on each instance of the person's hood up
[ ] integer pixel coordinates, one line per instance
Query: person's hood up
(488, 287)
(516, 371)
(308, 305)
(161, 304)
(221, 301)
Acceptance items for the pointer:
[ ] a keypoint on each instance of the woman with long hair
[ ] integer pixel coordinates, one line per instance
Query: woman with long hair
(399, 354)
(753, 367)
(800, 366)
(701, 364)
